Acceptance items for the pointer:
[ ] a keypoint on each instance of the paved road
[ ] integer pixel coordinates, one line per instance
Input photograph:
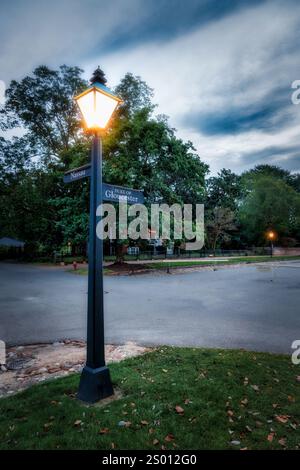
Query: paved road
(238, 307)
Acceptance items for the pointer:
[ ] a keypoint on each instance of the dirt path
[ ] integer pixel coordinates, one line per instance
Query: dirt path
(27, 365)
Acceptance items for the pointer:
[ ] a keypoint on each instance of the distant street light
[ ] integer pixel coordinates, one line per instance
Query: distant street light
(97, 105)
(271, 237)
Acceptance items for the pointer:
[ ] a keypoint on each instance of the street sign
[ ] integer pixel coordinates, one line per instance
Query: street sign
(120, 194)
(110, 192)
(77, 173)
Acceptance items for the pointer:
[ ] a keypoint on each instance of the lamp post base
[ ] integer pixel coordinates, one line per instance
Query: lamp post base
(95, 384)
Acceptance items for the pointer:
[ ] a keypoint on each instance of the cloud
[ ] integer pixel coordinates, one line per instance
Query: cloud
(2, 92)
(222, 71)
(226, 85)
(40, 32)
(165, 20)
(269, 114)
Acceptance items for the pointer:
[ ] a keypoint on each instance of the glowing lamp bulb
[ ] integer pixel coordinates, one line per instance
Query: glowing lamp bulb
(97, 105)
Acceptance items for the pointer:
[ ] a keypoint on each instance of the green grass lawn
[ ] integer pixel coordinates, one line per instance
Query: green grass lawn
(175, 398)
(84, 271)
(185, 263)
(243, 259)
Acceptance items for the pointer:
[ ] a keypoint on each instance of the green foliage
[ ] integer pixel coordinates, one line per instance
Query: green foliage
(72, 215)
(147, 155)
(43, 104)
(219, 225)
(224, 190)
(141, 151)
(270, 204)
(135, 93)
(184, 396)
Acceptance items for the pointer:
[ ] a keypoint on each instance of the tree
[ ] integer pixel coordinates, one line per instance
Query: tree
(43, 104)
(140, 151)
(295, 181)
(271, 203)
(136, 94)
(144, 153)
(268, 170)
(223, 190)
(249, 177)
(219, 225)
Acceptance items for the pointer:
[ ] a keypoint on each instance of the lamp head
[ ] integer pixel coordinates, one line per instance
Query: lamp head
(271, 235)
(97, 103)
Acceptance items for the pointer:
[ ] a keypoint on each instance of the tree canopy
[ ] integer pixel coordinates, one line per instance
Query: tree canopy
(141, 151)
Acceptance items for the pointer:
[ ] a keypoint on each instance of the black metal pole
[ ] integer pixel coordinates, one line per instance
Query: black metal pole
(95, 382)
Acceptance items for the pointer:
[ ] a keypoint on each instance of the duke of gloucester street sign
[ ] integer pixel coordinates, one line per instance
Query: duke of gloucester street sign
(110, 192)
(120, 194)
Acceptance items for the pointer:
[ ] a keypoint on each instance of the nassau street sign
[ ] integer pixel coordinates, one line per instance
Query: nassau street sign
(110, 192)
(77, 173)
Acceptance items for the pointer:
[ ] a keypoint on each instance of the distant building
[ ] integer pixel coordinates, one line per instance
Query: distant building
(11, 248)
(11, 243)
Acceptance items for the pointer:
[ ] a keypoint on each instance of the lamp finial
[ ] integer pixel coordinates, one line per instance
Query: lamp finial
(98, 76)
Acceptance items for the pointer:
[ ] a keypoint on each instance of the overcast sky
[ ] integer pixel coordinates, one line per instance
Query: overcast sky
(221, 69)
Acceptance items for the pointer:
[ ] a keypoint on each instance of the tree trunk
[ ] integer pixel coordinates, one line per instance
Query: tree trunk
(120, 253)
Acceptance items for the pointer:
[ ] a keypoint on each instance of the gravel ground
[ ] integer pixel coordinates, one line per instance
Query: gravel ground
(28, 365)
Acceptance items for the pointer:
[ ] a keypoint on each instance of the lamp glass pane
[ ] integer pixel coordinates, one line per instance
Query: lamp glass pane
(96, 108)
(86, 105)
(105, 106)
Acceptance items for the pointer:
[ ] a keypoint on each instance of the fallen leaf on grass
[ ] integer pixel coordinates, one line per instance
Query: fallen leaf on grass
(47, 426)
(124, 424)
(271, 436)
(282, 441)
(282, 418)
(244, 401)
(179, 410)
(187, 401)
(235, 443)
(104, 431)
(77, 423)
(193, 419)
(255, 388)
(144, 423)
(155, 442)
(169, 438)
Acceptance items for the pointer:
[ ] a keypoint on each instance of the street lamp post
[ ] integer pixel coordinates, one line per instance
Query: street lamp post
(97, 105)
(271, 236)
